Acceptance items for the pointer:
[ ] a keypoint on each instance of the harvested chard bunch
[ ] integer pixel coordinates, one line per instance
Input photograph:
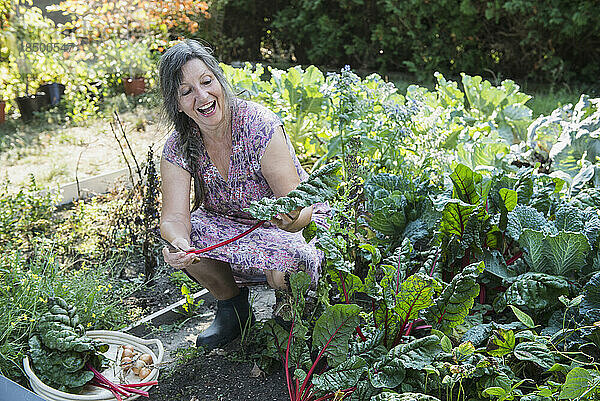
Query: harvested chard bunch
(60, 350)
(319, 187)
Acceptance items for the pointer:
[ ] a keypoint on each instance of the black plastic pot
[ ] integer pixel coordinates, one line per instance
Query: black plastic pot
(29, 104)
(54, 92)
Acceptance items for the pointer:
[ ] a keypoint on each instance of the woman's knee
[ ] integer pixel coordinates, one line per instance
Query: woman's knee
(277, 280)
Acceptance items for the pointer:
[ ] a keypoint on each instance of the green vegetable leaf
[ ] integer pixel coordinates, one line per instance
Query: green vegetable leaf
(465, 181)
(333, 330)
(533, 293)
(416, 293)
(523, 317)
(524, 217)
(452, 307)
(567, 251)
(406, 396)
(345, 375)
(578, 381)
(501, 343)
(416, 355)
(535, 352)
(320, 186)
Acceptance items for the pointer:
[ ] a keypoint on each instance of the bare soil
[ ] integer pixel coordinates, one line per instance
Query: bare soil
(219, 375)
(215, 378)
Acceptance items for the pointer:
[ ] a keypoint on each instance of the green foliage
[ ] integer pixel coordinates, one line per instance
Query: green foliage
(534, 292)
(423, 37)
(25, 287)
(579, 384)
(189, 306)
(60, 350)
(455, 301)
(400, 207)
(569, 135)
(24, 215)
(558, 247)
(319, 187)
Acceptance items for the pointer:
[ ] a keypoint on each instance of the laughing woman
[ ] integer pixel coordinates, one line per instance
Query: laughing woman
(234, 151)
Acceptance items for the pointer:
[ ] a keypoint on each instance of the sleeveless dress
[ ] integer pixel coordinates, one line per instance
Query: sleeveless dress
(222, 216)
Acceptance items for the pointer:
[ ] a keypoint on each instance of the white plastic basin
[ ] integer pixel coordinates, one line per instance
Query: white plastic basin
(114, 339)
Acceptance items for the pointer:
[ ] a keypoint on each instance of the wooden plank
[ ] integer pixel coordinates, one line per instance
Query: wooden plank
(164, 316)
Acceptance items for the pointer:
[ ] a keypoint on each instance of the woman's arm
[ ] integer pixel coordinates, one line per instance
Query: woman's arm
(280, 172)
(175, 225)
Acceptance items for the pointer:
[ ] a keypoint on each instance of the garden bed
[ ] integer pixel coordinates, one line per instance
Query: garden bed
(219, 375)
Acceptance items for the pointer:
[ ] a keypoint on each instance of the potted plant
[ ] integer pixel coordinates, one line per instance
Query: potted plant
(28, 103)
(137, 62)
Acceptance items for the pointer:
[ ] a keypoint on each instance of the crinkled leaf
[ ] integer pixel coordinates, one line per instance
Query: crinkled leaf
(417, 354)
(345, 375)
(478, 335)
(533, 292)
(452, 307)
(523, 217)
(364, 391)
(320, 186)
(370, 350)
(333, 330)
(589, 308)
(406, 396)
(535, 352)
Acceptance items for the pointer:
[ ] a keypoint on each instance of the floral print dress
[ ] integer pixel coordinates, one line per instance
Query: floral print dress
(222, 216)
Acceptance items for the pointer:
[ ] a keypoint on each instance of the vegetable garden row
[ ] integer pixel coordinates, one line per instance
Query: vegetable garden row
(463, 257)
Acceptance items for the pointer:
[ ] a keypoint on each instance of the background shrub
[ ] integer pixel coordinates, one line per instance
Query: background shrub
(541, 40)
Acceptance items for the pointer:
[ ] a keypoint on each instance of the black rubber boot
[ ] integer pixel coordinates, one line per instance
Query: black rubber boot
(233, 315)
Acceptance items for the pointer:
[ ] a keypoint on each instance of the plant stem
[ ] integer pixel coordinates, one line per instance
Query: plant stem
(286, 364)
(514, 258)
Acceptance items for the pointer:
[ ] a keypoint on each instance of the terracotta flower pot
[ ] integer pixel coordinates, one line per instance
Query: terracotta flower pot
(2, 112)
(134, 86)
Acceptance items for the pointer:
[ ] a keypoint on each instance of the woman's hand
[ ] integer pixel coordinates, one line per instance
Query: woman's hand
(179, 259)
(293, 221)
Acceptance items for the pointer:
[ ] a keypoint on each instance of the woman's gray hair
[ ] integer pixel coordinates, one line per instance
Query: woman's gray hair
(170, 77)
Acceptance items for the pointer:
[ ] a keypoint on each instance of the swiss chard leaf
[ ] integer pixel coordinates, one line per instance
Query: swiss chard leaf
(406, 396)
(389, 372)
(333, 330)
(320, 186)
(345, 375)
(465, 181)
(452, 307)
(416, 293)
